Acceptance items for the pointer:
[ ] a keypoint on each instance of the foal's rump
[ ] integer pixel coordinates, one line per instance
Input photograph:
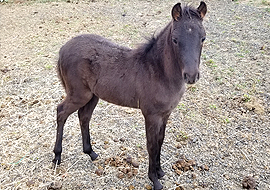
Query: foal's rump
(101, 67)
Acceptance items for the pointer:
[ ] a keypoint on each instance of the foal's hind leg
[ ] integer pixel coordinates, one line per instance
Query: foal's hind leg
(85, 114)
(67, 107)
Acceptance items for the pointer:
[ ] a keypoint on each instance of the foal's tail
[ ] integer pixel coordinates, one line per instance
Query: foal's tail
(59, 71)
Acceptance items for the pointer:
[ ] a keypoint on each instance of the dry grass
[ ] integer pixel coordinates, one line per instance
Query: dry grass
(223, 120)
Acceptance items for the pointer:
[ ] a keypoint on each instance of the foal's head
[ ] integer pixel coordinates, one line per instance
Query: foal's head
(188, 35)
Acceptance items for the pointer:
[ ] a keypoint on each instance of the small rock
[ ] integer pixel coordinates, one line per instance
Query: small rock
(129, 159)
(123, 148)
(106, 146)
(204, 167)
(148, 187)
(194, 176)
(55, 185)
(106, 142)
(99, 172)
(115, 140)
(120, 175)
(34, 102)
(122, 139)
(249, 182)
(203, 185)
(135, 163)
(30, 183)
(131, 187)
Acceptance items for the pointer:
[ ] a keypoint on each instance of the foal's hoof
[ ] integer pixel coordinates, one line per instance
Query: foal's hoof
(157, 185)
(93, 155)
(56, 160)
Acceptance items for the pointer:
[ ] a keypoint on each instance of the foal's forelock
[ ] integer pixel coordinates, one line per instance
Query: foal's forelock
(190, 12)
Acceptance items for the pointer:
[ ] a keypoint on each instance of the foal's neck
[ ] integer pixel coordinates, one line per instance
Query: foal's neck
(157, 55)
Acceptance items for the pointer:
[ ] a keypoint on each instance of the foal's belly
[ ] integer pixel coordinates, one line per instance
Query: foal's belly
(117, 89)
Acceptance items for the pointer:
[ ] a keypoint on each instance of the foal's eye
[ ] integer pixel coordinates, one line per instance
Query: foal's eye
(203, 39)
(175, 41)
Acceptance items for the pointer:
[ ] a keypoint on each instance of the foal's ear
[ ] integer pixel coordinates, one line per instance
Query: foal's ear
(202, 9)
(176, 11)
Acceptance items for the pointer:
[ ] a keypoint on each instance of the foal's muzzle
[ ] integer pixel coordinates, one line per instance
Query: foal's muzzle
(191, 78)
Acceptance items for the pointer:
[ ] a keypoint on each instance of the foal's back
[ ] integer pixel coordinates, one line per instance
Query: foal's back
(94, 65)
(93, 48)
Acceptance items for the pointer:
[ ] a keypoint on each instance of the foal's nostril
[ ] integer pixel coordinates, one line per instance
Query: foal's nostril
(191, 79)
(185, 76)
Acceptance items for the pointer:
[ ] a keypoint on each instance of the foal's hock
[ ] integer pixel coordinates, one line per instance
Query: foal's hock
(151, 78)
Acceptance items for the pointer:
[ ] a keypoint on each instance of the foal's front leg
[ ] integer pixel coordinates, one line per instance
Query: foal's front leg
(161, 135)
(155, 130)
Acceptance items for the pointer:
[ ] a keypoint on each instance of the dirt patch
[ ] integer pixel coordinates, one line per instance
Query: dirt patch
(222, 122)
